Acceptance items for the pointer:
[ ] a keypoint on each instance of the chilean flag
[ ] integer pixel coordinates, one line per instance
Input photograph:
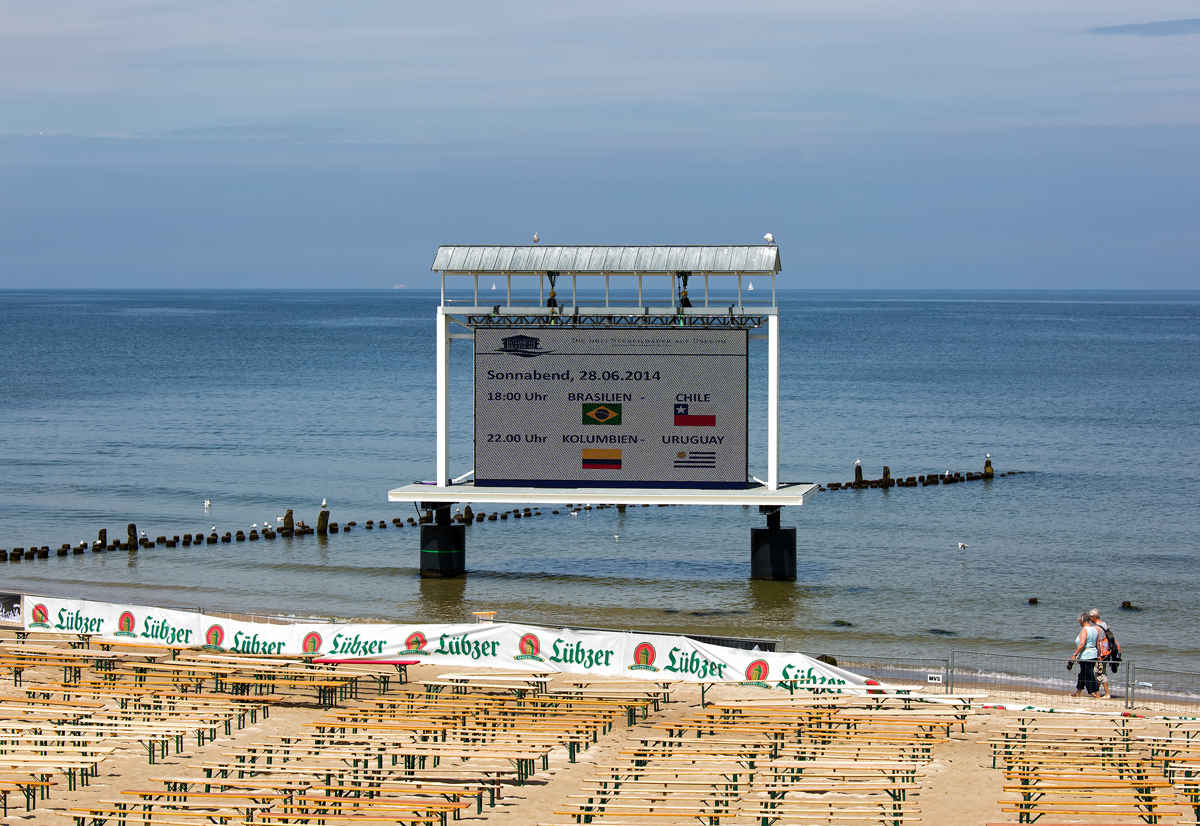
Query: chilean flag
(683, 419)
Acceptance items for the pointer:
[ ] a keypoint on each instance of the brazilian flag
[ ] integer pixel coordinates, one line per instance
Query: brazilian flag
(602, 414)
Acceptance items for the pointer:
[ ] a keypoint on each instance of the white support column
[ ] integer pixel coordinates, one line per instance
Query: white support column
(773, 402)
(443, 398)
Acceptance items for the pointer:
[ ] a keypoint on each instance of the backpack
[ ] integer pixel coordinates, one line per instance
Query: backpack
(1109, 648)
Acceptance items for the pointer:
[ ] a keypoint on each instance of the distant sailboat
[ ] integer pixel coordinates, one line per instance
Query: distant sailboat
(751, 286)
(493, 286)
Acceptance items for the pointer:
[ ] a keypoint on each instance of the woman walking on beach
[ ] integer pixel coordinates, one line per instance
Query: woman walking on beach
(1087, 652)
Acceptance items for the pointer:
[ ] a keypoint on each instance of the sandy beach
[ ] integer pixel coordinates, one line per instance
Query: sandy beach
(954, 783)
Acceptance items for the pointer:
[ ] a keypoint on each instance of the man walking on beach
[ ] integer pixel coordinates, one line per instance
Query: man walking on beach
(1101, 664)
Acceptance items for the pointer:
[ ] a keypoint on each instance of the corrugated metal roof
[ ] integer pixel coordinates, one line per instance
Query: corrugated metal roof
(578, 259)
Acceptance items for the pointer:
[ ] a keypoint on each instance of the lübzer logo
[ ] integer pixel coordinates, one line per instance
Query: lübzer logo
(39, 616)
(524, 346)
(756, 673)
(125, 625)
(643, 658)
(213, 638)
(311, 643)
(529, 646)
(415, 643)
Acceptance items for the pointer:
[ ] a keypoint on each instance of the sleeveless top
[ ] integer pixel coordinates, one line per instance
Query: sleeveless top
(1090, 650)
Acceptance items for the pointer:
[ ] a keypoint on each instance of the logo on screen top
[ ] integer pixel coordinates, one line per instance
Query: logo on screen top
(683, 418)
(415, 643)
(696, 459)
(756, 673)
(643, 658)
(311, 644)
(125, 625)
(602, 414)
(524, 346)
(595, 458)
(529, 646)
(213, 637)
(40, 616)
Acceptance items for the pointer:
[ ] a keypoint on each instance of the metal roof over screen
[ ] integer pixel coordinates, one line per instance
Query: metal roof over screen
(759, 258)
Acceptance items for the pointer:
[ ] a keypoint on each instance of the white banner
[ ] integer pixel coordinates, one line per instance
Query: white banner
(498, 645)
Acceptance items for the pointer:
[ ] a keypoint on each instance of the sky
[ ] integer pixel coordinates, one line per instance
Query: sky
(919, 145)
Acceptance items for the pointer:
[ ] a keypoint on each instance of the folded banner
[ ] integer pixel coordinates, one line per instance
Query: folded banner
(496, 645)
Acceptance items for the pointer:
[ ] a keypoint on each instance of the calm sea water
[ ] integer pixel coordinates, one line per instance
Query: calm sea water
(123, 407)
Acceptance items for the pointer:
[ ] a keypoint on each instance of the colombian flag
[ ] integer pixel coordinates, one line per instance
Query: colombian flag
(595, 458)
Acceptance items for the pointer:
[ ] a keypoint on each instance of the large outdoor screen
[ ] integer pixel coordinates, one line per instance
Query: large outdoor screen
(610, 407)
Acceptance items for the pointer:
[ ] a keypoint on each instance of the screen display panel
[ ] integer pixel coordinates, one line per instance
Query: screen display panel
(610, 407)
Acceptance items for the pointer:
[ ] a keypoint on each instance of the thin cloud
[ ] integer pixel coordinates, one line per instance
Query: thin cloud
(1160, 28)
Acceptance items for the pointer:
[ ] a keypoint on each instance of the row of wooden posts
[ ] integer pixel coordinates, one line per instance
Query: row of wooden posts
(886, 480)
(133, 541)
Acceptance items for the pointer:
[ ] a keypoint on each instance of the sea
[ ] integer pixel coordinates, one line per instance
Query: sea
(121, 407)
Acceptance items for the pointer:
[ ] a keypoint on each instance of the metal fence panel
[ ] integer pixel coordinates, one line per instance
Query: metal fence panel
(1177, 691)
(1027, 678)
(927, 671)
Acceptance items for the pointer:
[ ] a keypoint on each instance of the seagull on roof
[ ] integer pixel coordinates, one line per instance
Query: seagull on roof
(769, 238)
(535, 238)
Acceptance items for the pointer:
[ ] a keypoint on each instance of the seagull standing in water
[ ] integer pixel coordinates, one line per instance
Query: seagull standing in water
(207, 504)
(278, 518)
(616, 537)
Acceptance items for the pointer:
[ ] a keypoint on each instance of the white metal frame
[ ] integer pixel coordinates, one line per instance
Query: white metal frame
(443, 481)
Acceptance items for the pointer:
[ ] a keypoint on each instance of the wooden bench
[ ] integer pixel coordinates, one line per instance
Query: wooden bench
(246, 802)
(1150, 811)
(401, 667)
(454, 792)
(303, 819)
(336, 805)
(712, 812)
(29, 786)
(833, 807)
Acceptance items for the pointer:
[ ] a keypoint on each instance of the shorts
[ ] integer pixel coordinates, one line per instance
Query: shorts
(1102, 671)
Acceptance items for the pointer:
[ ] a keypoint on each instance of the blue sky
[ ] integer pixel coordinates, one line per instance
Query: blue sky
(921, 145)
